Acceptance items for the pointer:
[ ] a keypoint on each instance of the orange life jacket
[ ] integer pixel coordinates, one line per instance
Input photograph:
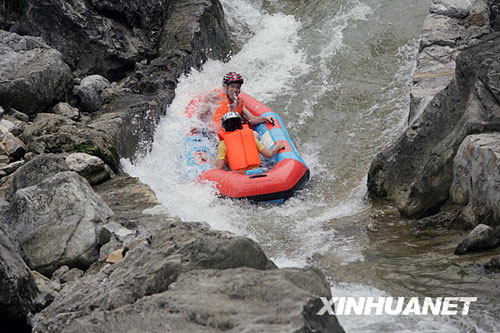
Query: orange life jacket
(224, 107)
(241, 148)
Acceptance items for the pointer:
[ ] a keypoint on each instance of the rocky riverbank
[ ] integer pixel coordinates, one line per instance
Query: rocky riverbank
(84, 247)
(444, 169)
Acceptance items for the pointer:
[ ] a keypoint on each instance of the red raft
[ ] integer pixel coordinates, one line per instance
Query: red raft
(287, 174)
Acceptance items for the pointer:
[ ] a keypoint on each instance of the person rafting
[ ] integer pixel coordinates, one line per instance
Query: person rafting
(227, 100)
(238, 148)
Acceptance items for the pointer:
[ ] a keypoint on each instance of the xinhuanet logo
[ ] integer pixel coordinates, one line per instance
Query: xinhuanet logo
(413, 306)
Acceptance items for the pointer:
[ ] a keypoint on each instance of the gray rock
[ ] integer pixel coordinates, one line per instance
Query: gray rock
(493, 265)
(4, 159)
(417, 172)
(34, 76)
(114, 229)
(66, 110)
(451, 8)
(90, 167)
(35, 171)
(19, 115)
(12, 146)
(5, 126)
(57, 222)
(476, 175)
(72, 275)
(89, 92)
(59, 134)
(18, 289)
(481, 238)
(234, 300)
(10, 168)
(105, 37)
(59, 272)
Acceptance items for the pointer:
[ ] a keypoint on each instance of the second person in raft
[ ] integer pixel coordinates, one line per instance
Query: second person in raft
(238, 147)
(227, 100)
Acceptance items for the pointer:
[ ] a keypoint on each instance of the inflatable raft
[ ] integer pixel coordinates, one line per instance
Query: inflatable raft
(287, 171)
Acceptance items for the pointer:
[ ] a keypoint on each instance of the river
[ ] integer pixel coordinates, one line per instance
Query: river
(339, 73)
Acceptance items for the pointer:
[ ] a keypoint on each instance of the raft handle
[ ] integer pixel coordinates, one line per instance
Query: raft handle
(258, 176)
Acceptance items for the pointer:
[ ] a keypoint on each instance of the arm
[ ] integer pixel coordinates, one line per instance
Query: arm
(271, 152)
(255, 120)
(220, 164)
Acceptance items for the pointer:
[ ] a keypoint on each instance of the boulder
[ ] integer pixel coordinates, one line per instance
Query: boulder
(18, 289)
(483, 237)
(476, 175)
(57, 222)
(33, 75)
(151, 266)
(89, 92)
(417, 171)
(233, 300)
(90, 167)
(35, 171)
(66, 110)
(59, 134)
(11, 167)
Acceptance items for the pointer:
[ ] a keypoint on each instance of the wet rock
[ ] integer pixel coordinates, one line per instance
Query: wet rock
(476, 175)
(417, 172)
(90, 167)
(89, 92)
(235, 300)
(59, 134)
(18, 289)
(493, 265)
(12, 146)
(34, 76)
(482, 237)
(66, 110)
(57, 222)
(35, 171)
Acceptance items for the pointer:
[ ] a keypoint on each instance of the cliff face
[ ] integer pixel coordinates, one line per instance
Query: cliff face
(84, 247)
(455, 94)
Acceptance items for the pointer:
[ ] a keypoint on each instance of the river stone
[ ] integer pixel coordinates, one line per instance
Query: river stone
(90, 167)
(417, 171)
(483, 237)
(18, 289)
(35, 171)
(66, 110)
(89, 92)
(33, 75)
(233, 300)
(59, 134)
(451, 8)
(476, 175)
(57, 222)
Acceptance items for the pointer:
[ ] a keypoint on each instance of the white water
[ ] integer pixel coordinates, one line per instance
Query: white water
(311, 71)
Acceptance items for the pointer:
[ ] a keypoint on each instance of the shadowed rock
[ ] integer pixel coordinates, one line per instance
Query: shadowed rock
(481, 238)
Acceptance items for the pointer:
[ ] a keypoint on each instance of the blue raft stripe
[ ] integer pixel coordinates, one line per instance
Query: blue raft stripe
(278, 134)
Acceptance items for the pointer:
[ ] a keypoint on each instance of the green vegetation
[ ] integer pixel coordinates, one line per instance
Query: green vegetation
(84, 148)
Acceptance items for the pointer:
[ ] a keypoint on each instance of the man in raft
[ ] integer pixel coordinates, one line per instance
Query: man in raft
(238, 147)
(227, 100)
